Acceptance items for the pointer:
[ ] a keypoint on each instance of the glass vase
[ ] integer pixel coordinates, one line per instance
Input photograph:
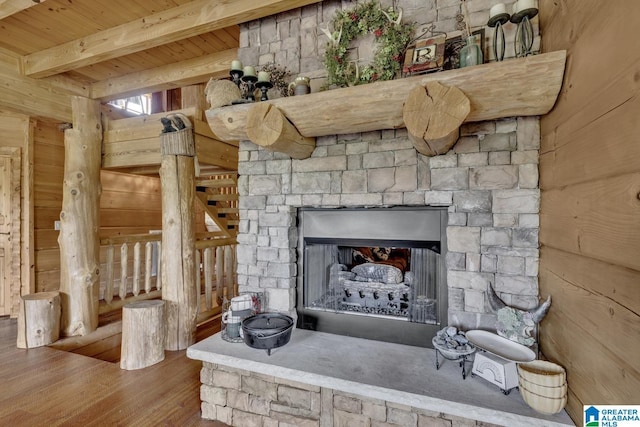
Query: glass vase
(470, 54)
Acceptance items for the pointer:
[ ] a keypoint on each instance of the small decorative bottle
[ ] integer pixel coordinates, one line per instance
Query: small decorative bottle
(471, 53)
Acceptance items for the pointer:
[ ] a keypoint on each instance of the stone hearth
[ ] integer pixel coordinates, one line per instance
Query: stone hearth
(327, 380)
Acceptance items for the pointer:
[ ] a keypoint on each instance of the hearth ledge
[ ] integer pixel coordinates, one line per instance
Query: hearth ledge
(361, 367)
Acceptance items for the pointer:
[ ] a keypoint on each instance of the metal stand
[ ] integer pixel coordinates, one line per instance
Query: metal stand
(250, 82)
(264, 87)
(524, 32)
(496, 22)
(462, 359)
(236, 75)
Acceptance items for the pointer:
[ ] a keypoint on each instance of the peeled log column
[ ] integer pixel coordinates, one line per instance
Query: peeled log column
(269, 128)
(39, 319)
(433, 115)
(80, 220)
(143, 334)
(177, 172)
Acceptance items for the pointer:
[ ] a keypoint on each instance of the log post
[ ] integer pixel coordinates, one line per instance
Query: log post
(269, 128)
(143, 334)
(178, 236)
(433, 114)
(80, 219)
(39, 319)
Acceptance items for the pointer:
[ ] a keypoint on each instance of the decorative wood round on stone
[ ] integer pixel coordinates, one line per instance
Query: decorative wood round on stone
(143, 330)
(39, 319)
(433, 114)
(269, 128)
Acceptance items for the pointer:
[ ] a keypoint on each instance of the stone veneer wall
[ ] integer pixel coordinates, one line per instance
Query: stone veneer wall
(248, 399)
(294, 39)
(488, 181)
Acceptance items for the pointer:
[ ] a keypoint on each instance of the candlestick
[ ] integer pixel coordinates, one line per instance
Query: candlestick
(264, 86)
(499, 17)
(249, 71)
(235, 75)
(250, 81)
(263, 76)
(524, 11)
(236, 65)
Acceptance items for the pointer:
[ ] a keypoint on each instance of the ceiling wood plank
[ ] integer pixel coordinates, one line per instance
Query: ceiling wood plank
(187, 20)
(184, 73)
(9, 7)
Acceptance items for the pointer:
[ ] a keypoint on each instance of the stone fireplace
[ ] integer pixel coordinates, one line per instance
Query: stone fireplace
(485, 193)
(487, 184)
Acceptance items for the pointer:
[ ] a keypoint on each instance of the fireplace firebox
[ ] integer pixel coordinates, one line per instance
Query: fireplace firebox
(375, 273)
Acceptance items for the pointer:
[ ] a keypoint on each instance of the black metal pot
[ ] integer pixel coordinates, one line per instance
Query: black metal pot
(265, 331)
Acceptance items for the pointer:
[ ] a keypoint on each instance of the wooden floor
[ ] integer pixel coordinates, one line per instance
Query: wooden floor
(49, 387)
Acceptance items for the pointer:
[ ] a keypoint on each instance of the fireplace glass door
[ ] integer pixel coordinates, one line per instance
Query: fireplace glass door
(371, 274)
(395, 282)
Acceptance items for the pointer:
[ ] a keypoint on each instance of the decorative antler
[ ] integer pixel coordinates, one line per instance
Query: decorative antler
(357, 69)
(333, 40)
(397, 20)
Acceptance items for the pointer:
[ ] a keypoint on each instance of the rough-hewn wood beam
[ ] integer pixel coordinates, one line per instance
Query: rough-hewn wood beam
(39, 98)
(179, 74)
(186, 20)
(9, 7)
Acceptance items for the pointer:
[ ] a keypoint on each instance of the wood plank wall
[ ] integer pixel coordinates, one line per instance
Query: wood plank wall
(16, 132)
(590, 205)
(129, 204)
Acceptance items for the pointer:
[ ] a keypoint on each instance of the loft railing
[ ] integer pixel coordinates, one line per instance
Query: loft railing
(132, 271)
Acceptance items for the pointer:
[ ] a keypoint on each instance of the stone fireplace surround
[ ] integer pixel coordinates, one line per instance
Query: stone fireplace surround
(488, 182)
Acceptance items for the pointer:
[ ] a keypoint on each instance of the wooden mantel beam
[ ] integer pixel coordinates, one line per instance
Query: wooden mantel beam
(180, 74)
(517, 87)
(187, 20)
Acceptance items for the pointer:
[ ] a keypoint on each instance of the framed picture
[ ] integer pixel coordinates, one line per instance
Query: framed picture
(454, 43)
(426, 55)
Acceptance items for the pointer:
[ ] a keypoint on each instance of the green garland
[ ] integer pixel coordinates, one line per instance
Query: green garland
(365, 18)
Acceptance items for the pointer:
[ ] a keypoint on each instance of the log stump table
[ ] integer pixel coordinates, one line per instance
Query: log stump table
(39, 319)
(143, 329)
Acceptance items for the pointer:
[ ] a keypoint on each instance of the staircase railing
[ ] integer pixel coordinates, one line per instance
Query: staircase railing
(132, 271)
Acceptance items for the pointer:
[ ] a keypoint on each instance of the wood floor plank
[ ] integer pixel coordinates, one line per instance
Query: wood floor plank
(45, 386)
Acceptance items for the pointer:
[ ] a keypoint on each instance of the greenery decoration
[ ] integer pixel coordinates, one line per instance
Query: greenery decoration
(390, 33)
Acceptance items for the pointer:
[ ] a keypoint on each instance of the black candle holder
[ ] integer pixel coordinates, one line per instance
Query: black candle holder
(236, 75)
(264, 87)
(524, 32)
(496, 22)
(250, 82)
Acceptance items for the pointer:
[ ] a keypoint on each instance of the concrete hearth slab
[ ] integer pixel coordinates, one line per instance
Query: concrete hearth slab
(379, 370)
